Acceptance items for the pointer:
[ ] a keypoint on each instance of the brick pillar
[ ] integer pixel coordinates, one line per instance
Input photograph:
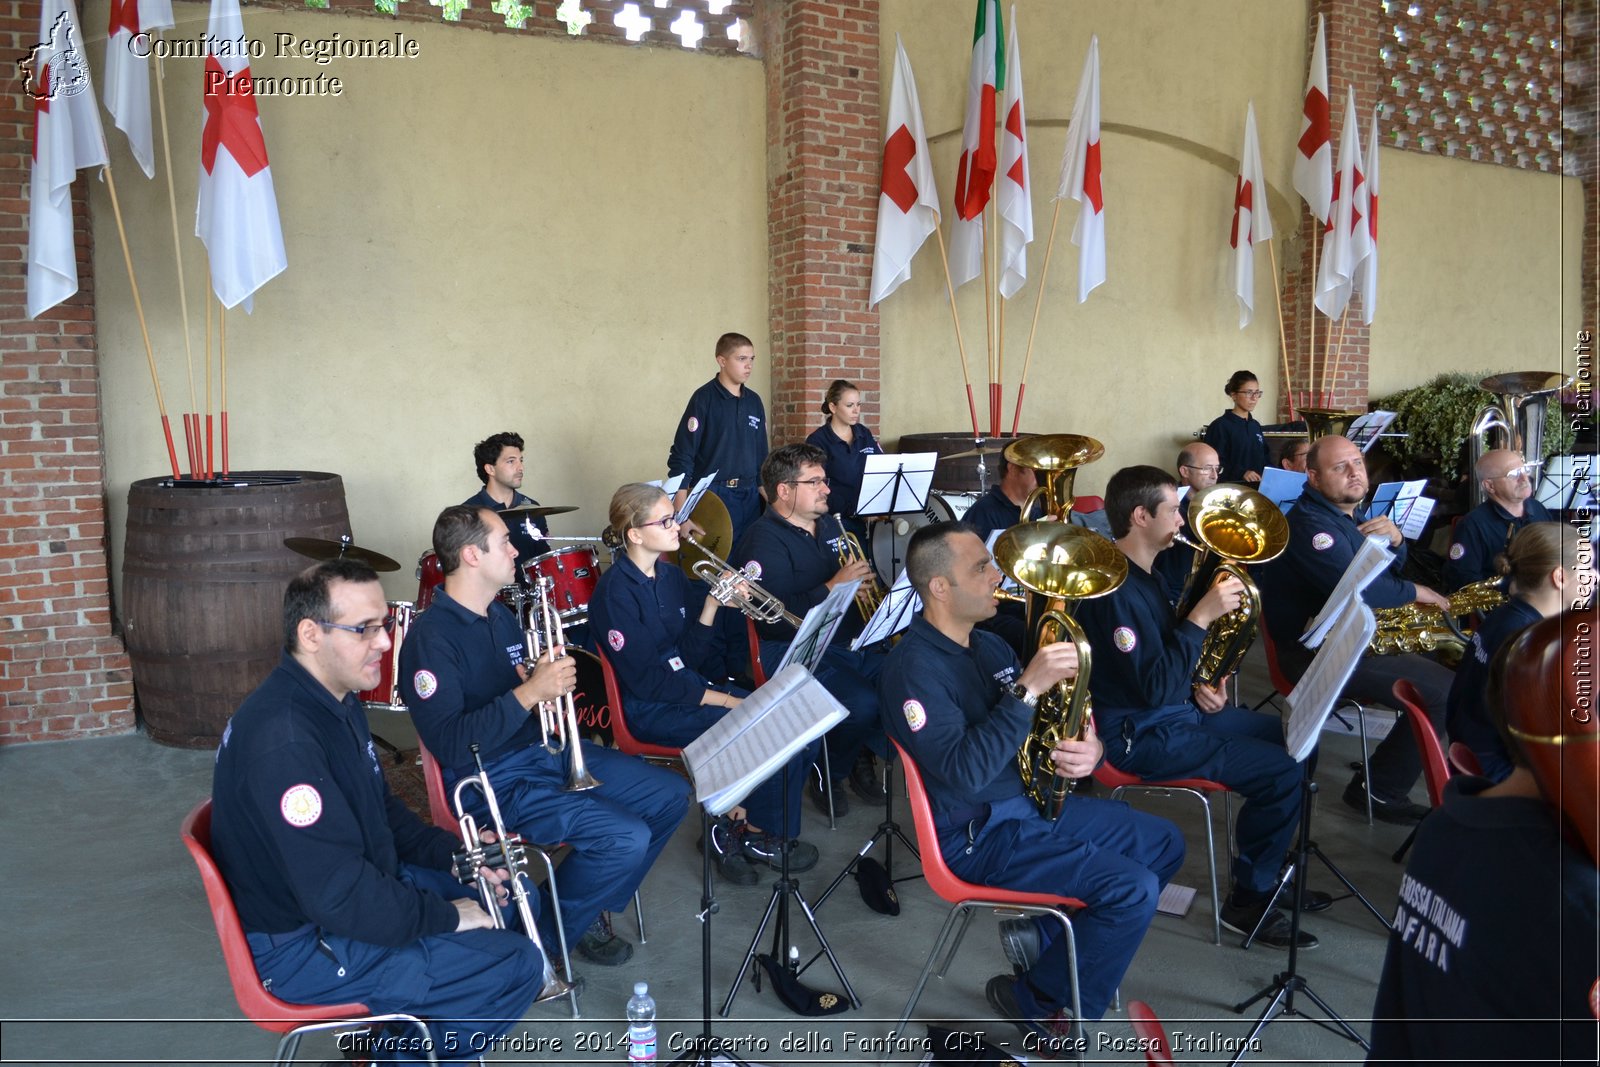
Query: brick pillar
(63, 673)
(823, 156)
(1353, 37)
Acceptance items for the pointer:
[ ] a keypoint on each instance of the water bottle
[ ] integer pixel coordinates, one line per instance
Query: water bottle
(641, 1025)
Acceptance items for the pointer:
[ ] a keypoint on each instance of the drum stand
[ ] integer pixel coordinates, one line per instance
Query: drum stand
(706, 1048)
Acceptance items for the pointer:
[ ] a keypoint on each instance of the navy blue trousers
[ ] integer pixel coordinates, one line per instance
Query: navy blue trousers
(852, 678)
(1113, 858)
(469, 987)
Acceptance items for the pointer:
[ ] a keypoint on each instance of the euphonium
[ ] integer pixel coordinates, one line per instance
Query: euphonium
(1425, 628)
(1235, 526)
(558, 719)
(1058, 561)
(506, 851)
(869, 596)
(1056, 457)
(733, 587)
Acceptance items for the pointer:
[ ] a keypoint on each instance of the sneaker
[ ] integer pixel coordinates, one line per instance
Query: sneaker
(601, 946)
(1019, 938)
(841, 803)
(864, 779)
(727, 856)
(768, 848)
(1275, 932)
(1052, 1036)
(1401, 812)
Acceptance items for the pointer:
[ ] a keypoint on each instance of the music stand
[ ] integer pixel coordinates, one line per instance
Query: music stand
(895, 485)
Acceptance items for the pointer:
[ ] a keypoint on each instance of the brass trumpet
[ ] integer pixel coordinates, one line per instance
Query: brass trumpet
(869, 596)
(558, 719)
(508, 852)
(1235, 526)
(733, 587)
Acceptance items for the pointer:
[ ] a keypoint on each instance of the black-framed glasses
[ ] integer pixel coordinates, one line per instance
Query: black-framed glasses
(1254, 394)
(366, 630)
(813, 483)
(1214, 468)
(666, 522)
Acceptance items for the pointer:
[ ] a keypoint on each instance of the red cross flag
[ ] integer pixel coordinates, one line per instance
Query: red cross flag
(1347, 239)
(1080, 176)
(1252, 221)
(237, 217)
(1366, 279)
(66, 138)
(128, 73)
(1015, 195)
(908, 202)
(1313, 161)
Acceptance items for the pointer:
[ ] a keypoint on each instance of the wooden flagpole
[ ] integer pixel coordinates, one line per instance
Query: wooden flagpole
(1038, 302)
(988, 332)
(1283, 337)
(961, 346)
(222, 362)
(177, 252)
(1338, 352)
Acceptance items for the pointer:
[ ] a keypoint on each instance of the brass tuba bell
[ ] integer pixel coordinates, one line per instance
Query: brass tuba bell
(1056, 457)
(1060, 562)
(1235, 526)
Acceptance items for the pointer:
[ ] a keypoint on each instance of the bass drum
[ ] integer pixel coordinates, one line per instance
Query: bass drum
(888, 537)
(589, 698)
(958, 503)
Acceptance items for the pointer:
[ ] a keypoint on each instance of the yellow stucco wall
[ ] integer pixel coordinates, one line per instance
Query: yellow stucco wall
(505, 233)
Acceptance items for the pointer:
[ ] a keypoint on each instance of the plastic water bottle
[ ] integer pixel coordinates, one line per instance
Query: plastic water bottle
(641, 1025)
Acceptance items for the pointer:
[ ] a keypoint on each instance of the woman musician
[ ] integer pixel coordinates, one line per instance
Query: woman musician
(1239, 439)
(640, 621)
(847, 444)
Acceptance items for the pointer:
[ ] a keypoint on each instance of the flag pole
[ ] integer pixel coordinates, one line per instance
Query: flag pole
(1338, 352)
(988, 333)
(1038, 301)
(961, 346)
(1283, 337)
(208, 329)
(177, 248)
(1311, 356)
(222, 362)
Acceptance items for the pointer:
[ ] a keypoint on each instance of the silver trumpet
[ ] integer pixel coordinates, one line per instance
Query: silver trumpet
(733, 587)
(558, 719)
(506, 851)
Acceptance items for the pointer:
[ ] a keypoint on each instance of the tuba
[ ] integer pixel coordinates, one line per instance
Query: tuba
(1321, 422)
(1514, 420)
(1235, 526)
(1056, 457)
(558, 719)
(1058, 561)
(1425, 628)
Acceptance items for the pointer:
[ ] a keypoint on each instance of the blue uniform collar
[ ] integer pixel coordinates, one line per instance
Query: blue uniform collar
(716, 383)
(1505, 516)
(319, 692)
(937, 638)
(450, 605)
(1312, 498)
(626, 568)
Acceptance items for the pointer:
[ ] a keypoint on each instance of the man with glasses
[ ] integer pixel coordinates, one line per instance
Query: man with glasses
(465, 677)
(795, 555)
(1485, 531)
(1294, 457)
(1198, 469)
(345, 896)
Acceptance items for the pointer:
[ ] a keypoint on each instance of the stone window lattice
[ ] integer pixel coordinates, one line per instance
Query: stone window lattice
(699, 25)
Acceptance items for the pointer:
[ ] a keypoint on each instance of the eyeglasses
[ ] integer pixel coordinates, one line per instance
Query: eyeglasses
(367, 630)
(813, 483)
(1254, 394)
(1214, 468)
(666, 522)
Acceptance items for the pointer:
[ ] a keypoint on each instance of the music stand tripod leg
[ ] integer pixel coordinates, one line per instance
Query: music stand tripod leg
(703, 1050)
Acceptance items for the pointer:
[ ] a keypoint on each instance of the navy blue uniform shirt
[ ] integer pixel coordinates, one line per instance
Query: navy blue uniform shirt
(1481, 535)
(527, 546)
(457, 671)
(1467, 715)
(1174, 563)
(720, 432)
(994, 511)
(644, 628)
(945, 704)
(1241, 445)
(1144, 655)
(304, 827)
(846, 461)
(1322, 542)
(794, 566)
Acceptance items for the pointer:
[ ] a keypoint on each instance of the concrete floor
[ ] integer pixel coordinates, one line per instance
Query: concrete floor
(110, 954)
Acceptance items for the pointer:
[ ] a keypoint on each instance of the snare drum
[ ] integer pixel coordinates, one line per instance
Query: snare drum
(430, 576)
(385, 696)
(573, 572)
(889, 536)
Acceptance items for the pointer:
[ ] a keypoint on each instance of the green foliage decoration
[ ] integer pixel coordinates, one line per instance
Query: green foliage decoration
(1438, 414)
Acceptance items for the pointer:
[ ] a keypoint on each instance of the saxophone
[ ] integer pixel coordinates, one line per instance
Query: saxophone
(1425, 628)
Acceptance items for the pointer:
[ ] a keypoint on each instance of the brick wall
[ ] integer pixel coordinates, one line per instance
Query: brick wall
(63, 673)
(823, 157)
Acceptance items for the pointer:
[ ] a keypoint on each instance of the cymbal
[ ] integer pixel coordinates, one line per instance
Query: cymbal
(994, 448)
(319, 549)
(537, 511)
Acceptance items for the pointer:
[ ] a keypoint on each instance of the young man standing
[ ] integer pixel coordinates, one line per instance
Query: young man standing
(724, 429)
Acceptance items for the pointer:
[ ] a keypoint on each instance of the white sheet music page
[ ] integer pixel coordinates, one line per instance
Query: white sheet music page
(694, 496)
(1314, 696)
(668, 485)
(1415, 518)
(1365, 430)
(892, 483)
(818, 627)
(1366, 565)
(893, 614)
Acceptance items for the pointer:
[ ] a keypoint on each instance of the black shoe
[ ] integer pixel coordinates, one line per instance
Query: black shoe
(1052, 1038)
(1019, 938)
(841, 803)
(1400, 812)
(600, 944)
(1316, 900)
(768, 848)
(1275, 932)
(727, 856)
(864, 779)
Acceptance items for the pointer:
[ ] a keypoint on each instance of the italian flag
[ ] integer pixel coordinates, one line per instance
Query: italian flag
(975, 173)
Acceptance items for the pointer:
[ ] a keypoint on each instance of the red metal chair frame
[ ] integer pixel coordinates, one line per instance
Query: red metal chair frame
(624, 737)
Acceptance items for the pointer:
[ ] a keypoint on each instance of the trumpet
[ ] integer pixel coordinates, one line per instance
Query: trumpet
(733, 587)
(506, 851)
(869, 596)
(558, 719)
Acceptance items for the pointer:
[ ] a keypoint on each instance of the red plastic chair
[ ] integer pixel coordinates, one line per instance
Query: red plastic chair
(293, 1021)
(968, 896)
(1435, 769)
(624, 737)
(758, 675)
(1152, 1035)
(1087, 504)
(1201, 789)
(1464, 760)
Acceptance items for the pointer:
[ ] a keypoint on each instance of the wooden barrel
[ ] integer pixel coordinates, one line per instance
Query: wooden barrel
(203, 576)
(955, 475)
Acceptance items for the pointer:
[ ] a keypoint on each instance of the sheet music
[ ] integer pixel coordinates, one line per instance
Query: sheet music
(1282, 487)
(1415, 519)
(668, 486)
(816, 630)
(756, 738)
(1366, 565)
(893, 614)
(1314, 696)
(1365, 430)
(891, 484)
(1402, 502)
(694, 496)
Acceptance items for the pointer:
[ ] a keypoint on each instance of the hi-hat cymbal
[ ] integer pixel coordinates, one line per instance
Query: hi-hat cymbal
(319, 549)
(991, 449)
(537, 511)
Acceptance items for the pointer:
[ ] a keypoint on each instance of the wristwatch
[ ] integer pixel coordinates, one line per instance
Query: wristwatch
(1020, 691)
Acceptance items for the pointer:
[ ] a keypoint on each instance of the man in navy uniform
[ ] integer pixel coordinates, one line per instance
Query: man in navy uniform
(1485, 531)
(345, 896)
(1326, 530)
(1001, 507)
(498, 461)
(1157, 722)
(960, 704)
(465, 679)
(724, 429)
(1198, 467)
(793, 552)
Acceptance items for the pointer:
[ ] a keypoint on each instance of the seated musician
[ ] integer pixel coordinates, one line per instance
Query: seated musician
(498, 460)
(640, 619)
(1326, 529)
(345, 896)
(465, 679)
(795, 548)
(847, 444)
(1001, 507)
(1239, 439)
(960, 703)
(1485, 531)
(1198, 467)
(724, 430)
(1492, 958)
(1157, 722)
(1294, 456)
(1547, 575)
